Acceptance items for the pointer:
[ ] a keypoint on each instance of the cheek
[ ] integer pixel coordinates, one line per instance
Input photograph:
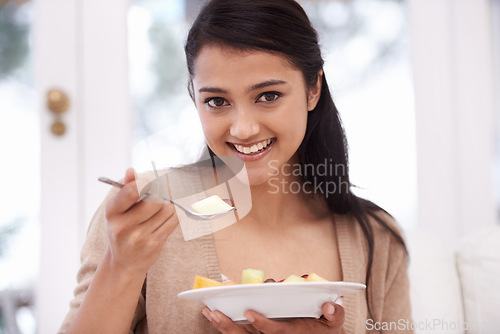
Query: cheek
(214, 130)
(209, 130)
(295, 128)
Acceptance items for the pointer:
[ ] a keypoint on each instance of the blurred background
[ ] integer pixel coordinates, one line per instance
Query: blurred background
(417, 83)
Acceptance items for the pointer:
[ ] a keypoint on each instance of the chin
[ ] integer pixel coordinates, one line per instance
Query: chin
(257, 179)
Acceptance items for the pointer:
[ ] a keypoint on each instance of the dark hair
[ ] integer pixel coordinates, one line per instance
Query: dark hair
(282, 27)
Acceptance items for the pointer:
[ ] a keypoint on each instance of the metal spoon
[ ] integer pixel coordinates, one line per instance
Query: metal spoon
(189, 213)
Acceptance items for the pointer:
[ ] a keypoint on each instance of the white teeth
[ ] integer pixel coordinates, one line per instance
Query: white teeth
(254, 148)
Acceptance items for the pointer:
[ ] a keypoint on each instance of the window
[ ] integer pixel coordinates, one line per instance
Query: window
(19, 131)
(158, 79)
(367, 63)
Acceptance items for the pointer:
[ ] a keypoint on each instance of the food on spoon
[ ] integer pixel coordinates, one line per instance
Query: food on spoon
(252, 276)
(211, 205)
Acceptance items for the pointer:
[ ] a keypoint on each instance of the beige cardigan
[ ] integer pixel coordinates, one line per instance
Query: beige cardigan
(160, 310)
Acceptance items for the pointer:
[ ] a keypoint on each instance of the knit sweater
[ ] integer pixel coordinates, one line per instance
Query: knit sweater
(159, 310)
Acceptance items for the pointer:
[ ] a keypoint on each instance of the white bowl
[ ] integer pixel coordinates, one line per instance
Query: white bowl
(273, 300)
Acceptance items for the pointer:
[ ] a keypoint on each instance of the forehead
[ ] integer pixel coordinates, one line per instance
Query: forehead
(220, 63)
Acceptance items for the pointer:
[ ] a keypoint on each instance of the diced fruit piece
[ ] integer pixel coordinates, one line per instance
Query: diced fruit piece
(255, 281)
(252, 276)
(211, 205)
(312, 277)
(255, 276)
(294, 279)
(203, 282)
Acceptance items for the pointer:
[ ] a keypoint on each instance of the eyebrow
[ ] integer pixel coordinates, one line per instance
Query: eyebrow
(254, 87)
(266, 84)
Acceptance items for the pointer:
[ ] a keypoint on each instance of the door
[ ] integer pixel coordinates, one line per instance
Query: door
(80, 51)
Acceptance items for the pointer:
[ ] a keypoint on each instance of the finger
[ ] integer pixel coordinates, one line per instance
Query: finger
(249, 329)
(328, 310)
(133, 197)
(295, 325)
(124, 200)
(126, 197)
(206, 312)
(144, 212)
(168, 221)
(224, 324)
(150, 221)
(129, 175)
(144, 189)
(266, 325)
(333, 314)
(165, 230)
(166, 211)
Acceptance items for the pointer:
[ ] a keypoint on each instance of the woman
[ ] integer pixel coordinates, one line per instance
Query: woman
(256, 77)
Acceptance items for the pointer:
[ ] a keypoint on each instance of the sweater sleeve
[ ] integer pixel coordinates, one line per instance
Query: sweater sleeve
(397, 306)
(390, 290)
(90, 257)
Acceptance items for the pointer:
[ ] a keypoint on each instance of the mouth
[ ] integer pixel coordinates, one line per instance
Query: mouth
(253, 151)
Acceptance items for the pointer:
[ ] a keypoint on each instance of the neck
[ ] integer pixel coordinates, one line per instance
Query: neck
(280, 201)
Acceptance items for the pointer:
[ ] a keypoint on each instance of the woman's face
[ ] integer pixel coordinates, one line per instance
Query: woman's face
(252, 105)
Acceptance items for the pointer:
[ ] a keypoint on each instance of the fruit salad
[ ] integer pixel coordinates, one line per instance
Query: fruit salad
(255, 276)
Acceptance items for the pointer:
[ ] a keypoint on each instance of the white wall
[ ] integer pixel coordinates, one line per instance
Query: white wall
(452, 65)
(495, 4)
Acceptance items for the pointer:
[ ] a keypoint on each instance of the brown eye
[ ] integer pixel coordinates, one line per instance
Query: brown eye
(216, 102)
(268, 97)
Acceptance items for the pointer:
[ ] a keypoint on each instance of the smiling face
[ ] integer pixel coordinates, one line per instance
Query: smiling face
(252, 105)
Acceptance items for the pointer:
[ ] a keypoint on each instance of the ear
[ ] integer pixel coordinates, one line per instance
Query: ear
(315, 92)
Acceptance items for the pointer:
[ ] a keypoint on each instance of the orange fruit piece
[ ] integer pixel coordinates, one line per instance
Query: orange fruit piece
(315, 278)
(204, 282)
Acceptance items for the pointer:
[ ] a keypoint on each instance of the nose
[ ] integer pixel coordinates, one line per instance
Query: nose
(244, 125)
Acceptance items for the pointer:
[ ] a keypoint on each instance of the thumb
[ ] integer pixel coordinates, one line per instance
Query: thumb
(129, 175)
(328, 311)
(334, 314)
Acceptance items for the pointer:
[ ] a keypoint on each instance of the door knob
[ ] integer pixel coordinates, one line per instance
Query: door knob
(58, 104)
